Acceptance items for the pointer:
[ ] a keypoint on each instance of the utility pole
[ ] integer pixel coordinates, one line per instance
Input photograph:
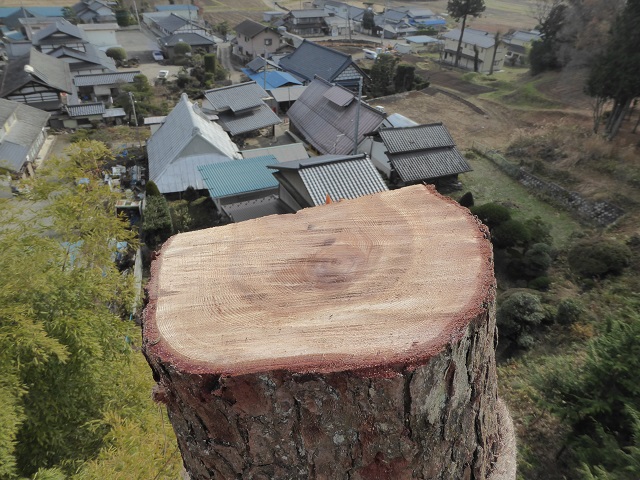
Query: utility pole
(135, 7)
(135, 119)
(355, 138)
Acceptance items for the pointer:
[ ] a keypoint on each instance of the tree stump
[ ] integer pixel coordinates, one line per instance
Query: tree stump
(349, 341)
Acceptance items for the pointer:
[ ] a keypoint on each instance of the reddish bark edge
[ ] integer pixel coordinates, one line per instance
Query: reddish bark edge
(367, 366)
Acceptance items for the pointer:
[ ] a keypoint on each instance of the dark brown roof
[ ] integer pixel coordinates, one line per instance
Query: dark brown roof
(249, 28)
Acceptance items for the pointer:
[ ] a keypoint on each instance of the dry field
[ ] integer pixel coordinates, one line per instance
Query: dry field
(500, 14)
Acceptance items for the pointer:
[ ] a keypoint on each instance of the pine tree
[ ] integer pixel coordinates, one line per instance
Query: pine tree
(460, 10)
(614, 74)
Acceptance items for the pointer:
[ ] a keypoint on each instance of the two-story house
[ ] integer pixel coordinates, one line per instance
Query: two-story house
(254, 39)
(479, 50)
(306, 23)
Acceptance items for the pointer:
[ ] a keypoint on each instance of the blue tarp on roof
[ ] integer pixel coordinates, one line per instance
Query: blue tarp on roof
(273, 79)
(15, 35)
(240, 176)
(430, 22)
(169, 8)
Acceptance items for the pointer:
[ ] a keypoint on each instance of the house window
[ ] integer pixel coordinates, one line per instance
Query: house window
(268, 41)
(246, 39)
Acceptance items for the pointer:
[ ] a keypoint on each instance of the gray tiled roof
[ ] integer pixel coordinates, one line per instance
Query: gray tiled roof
(260, 117)
(311, 59)
(429, 164)
(171, 23)
(190, 38)
(327, 126)
(236, 98)
(62, 26)
(249, 28)
(17, 142)
(259, 62)
(105, 78)
(185, 132)
(85, 109)
(184, 173)
(474, 37)
(46, 69)
(92, 55)
(339, 176)
(421, 137)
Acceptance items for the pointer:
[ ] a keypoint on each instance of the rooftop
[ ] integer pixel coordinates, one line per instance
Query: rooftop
(228, 179)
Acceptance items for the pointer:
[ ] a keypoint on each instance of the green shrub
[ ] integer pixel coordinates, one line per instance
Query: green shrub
(151, 189)
(539, 230)
(540, 283)
(156, 225)
(598, 258)
(467, 200)
(537, 259)
(117, 53)
(491, 214)
(569, 311)
(181, 49)
(180, 216)
(511, 233)
(518, 315)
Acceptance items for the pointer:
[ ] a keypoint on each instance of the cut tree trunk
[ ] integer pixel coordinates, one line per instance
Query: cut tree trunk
(349, 341)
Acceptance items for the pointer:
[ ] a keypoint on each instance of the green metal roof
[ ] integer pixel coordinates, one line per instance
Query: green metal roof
(240, 176)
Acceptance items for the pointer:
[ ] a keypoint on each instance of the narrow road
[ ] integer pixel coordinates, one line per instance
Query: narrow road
(224, 56)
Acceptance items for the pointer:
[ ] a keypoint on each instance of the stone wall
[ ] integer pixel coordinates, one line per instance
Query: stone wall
(598, 212)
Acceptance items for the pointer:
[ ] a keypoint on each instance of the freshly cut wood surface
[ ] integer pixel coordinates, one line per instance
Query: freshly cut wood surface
(362, 284)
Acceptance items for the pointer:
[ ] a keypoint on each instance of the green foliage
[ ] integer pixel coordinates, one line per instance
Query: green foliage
(540, 283)
(210, 63)
(537, 259)
(117, 53)
(467, 200)
(569, 311)
(222, 28)
(124, 18)
(491, 214)
(69, 15)
(181, 49)
(518, 316)
(368, 20)
(180, 217)
(543, 55)
(151, 189)
(598, 258)
(382, 75)
(599, 397)
(613, 75)
(460, 9)
(405, 75)
(60, 342)
(511, 233)
(156, 224)
(539, 230)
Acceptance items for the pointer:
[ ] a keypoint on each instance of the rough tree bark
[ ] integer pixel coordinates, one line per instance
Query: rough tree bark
(364, 350)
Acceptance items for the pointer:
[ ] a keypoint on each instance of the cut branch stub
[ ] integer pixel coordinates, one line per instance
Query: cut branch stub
(352, 340)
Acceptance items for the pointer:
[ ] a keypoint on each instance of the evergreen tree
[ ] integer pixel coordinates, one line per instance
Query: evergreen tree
(460, 10)
(599, 397)
(382, 75)
(544, 53)
(368, 20)
(614, 74)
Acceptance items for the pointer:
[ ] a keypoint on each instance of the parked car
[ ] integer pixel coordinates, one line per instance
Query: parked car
(163, 74)
(157, 56)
